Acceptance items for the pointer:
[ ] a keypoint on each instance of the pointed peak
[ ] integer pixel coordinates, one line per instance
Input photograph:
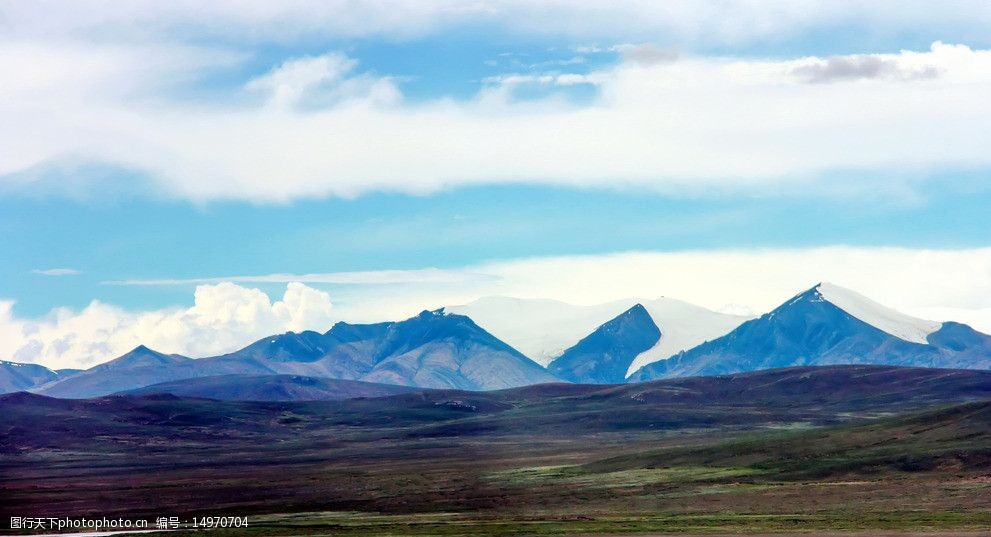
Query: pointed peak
(637, 308)
(812, 294)
(867, 310)
(141, 355)
(636, 315)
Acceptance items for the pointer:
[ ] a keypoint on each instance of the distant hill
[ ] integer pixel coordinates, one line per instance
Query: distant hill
(271, 388)
(829, 325)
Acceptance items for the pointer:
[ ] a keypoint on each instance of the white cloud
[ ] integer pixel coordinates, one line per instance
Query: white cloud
(694, 123)
(224, 317)
(940, 285)
(56, 272)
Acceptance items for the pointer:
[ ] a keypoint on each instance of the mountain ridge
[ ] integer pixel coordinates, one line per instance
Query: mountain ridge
(809, 329)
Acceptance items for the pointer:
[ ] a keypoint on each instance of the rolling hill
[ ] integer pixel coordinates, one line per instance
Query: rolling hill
(271, 388)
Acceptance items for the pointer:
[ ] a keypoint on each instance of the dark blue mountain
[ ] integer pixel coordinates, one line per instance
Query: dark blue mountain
(604, 356)
(809, 329)
(431, 350)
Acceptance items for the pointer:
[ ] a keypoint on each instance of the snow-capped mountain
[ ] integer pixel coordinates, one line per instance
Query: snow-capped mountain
(543, 329)
(825, 325)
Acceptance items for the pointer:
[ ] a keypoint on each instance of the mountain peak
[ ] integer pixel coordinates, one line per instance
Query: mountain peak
(428, 314)
(637, 309)
(877, 315)
(605, 355)
(141, 356)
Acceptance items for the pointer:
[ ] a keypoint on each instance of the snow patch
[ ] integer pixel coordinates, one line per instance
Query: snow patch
(683, 326)
(881, 317)
(543, 329)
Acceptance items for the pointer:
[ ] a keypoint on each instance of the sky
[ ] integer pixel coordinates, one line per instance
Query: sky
(194, 177)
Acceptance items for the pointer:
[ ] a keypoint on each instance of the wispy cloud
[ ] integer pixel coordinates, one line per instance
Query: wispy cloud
(57, 272)
(376, 277)
(316, 81)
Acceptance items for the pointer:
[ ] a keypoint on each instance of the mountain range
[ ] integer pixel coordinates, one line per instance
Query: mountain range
(519, 342)
(431, 350)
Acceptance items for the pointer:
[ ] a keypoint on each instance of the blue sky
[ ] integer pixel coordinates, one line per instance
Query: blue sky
(173, 239)
(204, 144)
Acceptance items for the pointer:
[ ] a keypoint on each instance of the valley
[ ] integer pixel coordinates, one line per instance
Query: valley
(876, 448)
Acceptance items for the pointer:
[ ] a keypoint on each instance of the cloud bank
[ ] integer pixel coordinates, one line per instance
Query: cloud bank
(320, 126)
